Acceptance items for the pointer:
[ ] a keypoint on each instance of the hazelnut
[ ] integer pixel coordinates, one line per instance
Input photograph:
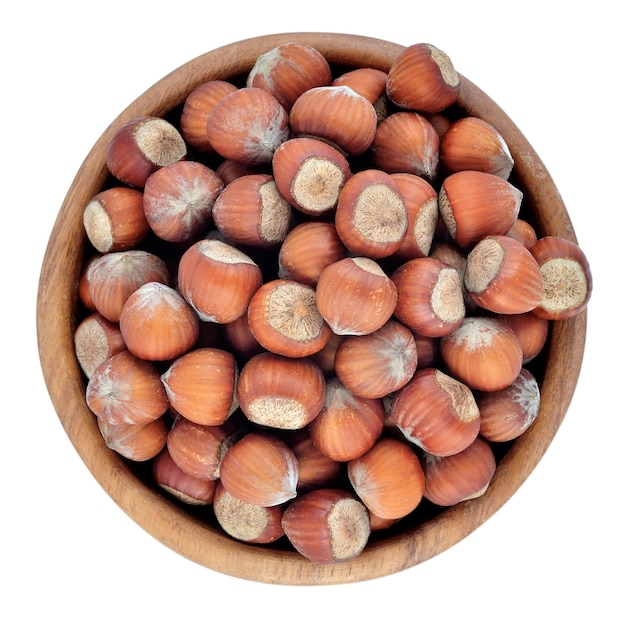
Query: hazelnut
(114, 219)
(466, 475)
(371, 218)
(567, 281)
(95, 340)
(288, 70)
(502, 276)
(250, 523)
(84, 295)
(474, 204)
(507, 413)
(141, 146)
(423, 78)
(524, 232)
(178, 200)
(135, 442)
(379, 363)
(315, 469)
(406, 142)
(201, 385)
(366, 81)
(430, 296)
(260, 469)
(198, 449)
(531, 331)
(228, 170)
(248, 125)
(251, 211)
(180, 485)
(280, 392)
(218, 280)
(284, 319)
(436, 412)
(348, 425)
(310, 174)
(472, 143)
(483, 353)
(126, 390)
(307, 249)
(157, 323)
(327, 525)
(355, 296)
(388, 479)
(337, 115)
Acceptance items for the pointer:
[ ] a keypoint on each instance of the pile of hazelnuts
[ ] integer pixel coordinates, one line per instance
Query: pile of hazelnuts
(310, 299)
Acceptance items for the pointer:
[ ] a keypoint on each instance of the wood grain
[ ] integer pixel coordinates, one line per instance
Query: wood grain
(169, 523)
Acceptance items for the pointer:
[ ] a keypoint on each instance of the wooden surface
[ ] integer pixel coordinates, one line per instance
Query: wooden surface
(171, 525)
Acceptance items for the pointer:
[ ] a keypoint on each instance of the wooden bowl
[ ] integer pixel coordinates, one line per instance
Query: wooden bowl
(411, 542)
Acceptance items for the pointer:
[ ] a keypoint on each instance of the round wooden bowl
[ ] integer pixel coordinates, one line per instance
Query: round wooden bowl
(411, 542)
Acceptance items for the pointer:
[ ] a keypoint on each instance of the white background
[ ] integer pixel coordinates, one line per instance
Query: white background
(554, 551)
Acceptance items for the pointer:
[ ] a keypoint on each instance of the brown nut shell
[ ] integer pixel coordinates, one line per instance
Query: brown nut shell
(348, 425)
(280, 392)
(355, 296)
(126, 390)
(141, 146)
(502, 276)
(114, 219)
(371, 218)
(423, 78)
(379, 363)
(260, 469)
(388, 479)
(197, 449)
(288, 70)
(507, 413)
(218, 280)
(430, 296)
(337, 115)
(436, 412)
(178, 200)
(327, 525)
(201, 385)
(248, 125)
(310, 174)
(474, 204)
(157, 323)
(307, 250)
(482, 353)
(251, 211)
(185, 488)
(250, 523)
(406, 142)
(135, 442)
(567, 279)
(95, 340)
(284, 319)
(472, 143)
(462, 476)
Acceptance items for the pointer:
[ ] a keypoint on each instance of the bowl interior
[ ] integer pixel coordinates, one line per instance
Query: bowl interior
(424, 534)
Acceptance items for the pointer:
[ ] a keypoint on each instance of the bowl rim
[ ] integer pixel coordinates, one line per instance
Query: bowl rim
(56, 317)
